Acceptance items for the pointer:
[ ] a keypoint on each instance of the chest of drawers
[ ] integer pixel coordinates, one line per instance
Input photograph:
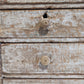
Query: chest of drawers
(41, 41)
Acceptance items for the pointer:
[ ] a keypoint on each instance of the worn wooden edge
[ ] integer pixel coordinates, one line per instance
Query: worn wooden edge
(0, 66)
(41, 1)
(42, 76)
(39, 40)
(43, 81)
(42, 6)
(0, 61)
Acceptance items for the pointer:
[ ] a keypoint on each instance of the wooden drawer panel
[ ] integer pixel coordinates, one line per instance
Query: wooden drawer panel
(41, 1)
(30, 23)
(43, 81)
(43, 59)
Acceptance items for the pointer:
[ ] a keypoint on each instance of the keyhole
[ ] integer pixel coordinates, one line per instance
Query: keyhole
(45, 15)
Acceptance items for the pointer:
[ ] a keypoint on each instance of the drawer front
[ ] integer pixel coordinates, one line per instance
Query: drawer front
(43, 59)
(41, 1)
(43, 81)
(42, 23)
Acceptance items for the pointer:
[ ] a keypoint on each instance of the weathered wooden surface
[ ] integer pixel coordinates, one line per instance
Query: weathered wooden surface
(30, 23)
(43, 81)
(25, 59)
(0, 60)
(41, 1)
(0, 66)
(41, 6)
(43, 40)
(53, 76)
(0, 22)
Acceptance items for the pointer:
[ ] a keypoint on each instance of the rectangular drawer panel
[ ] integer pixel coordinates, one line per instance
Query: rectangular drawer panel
(42, 23)
(43, 81)
(43, 59)
(41, 1)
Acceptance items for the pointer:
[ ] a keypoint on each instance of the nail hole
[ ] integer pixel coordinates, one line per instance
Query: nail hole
(45, 15)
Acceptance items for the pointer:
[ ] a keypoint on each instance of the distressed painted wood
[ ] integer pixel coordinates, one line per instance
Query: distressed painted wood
(41, 6)
(0, 21)
(43, 81)
(25, 59)
(30, 23)
(41, 1)
(0, 62)
(39, 40)
(39, 76)
(0, 66)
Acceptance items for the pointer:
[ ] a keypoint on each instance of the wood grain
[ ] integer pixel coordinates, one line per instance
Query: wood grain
(0, 62)
(41, 6)
(43, 81)
(41, 40)
(0, 66)
(30, 23)
(25, 59)
(46, 76)
(41, 1)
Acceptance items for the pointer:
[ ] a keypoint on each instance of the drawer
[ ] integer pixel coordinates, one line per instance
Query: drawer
(40, 1)
(42, 60)
(42, 23)
(43, 81)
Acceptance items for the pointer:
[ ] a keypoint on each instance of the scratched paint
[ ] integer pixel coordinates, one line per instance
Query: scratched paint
(25, 58)
(43, 81)
(60, 23)
(41, 1)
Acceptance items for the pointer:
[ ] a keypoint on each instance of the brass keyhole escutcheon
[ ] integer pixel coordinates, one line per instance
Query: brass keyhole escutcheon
(45, 60)
(45, 22)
